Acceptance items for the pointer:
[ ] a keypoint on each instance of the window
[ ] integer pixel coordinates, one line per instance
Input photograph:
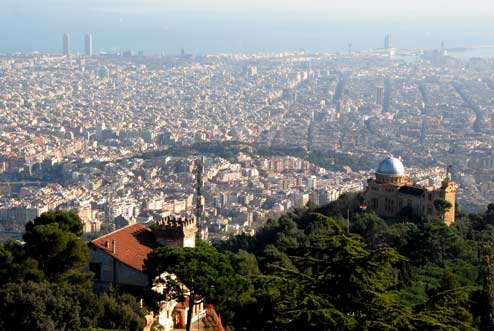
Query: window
(375, 203)
(96, 269)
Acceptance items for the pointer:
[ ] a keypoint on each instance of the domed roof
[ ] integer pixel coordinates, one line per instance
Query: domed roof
(391, 166)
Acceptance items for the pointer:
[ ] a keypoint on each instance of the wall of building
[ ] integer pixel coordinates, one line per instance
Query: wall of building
(115, 272)
(383, 199)
(387, 201)
(450, 196)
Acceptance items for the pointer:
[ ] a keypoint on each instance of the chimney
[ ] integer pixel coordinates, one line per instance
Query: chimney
(114, 246)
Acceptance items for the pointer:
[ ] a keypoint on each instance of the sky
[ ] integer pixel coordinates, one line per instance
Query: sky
(363, 9)
(244, 25)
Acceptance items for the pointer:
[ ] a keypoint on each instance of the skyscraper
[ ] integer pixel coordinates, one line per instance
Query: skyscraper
(66, 44)
(387, 41)
(88, 45)
(444, 52)
(380, 96)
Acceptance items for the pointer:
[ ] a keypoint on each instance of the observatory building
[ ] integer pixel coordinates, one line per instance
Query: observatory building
(392, 192)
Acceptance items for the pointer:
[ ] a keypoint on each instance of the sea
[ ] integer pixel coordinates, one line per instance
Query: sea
(206, 32)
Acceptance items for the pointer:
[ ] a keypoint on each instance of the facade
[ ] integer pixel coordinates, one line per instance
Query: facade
(380, 96)
(387, 41)
(66, 44)
(392, 190)
(171, 231)
(117, 259)
(21, 214)
(88, 45)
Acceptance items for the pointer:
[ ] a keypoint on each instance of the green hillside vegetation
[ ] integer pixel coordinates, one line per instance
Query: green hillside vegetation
(45, 287)
(231, 149)
(307, 270)
(303, 271)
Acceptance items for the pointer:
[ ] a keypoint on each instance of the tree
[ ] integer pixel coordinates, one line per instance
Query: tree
(46, 307)
(54, 241)
(60, 254)
(430, 240)
(120, 311)
(442, 205)
(337, 281)
(371, 227)
(447, 307)
(487, 294)
(15, 266)
(38, 306)
(66, 220)
(194, 272)
(316, 277)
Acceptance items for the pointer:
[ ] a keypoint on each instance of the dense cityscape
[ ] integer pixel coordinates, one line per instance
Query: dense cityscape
(99, 134)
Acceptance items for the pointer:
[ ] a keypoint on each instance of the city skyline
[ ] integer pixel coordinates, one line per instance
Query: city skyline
(239, 27)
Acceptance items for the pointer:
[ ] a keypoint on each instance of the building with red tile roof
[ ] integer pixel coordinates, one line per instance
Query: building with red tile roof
(117, 260)
(129, 245)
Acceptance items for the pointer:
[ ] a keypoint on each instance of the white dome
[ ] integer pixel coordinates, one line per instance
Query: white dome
(391, 166)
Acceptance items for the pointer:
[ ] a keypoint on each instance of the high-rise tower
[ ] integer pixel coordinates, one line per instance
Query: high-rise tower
(380, 96)
(88, 45)
(66, 44)
(387, 41)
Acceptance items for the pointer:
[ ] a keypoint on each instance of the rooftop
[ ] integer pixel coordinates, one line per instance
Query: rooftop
(391, 166)
(411, 190)
(133, 243)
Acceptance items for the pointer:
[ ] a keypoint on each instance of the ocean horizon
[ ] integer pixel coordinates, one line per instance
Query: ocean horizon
(205, 33)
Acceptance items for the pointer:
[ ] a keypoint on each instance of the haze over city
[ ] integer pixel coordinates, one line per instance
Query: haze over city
(244, 26)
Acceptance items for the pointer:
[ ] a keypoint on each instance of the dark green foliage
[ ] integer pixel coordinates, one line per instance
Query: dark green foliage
(54, 240)
(404, 274)
(44, 286)
(331, 268)
(204, 271)
(441, 205)
(231, 149)
(44, 306)
(16, 266)
(485, 298)
(38, 306)
(447, 307)
(67, 221)
(59, 253)
(347, 205)
(372, 228)
(121, 312)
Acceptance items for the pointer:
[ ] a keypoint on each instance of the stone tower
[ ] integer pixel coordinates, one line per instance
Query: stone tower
(171, 231)
(448, 193)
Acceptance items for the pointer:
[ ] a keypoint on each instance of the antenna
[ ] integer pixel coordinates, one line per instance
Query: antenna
(109, 211)
(199, 172)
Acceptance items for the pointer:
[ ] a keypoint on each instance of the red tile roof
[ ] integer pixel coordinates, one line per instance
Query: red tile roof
(132, 245)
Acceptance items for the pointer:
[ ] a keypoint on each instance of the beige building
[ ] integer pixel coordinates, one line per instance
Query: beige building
(392, 191)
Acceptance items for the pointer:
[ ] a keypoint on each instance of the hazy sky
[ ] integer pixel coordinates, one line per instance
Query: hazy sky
(375, 9)
(244, 25)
